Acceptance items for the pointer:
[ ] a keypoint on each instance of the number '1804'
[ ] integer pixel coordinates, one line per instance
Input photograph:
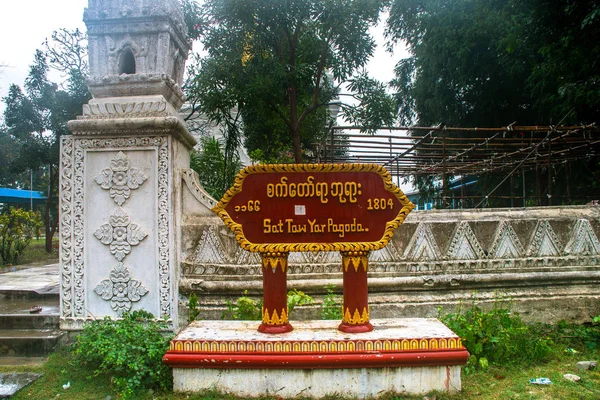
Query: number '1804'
(379, 204)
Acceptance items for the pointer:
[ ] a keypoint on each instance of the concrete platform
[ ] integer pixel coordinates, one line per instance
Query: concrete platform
(31, 281)
(414, 355)
(12, 383)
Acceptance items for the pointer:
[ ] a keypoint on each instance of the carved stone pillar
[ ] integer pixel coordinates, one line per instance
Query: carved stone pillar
(120, 171)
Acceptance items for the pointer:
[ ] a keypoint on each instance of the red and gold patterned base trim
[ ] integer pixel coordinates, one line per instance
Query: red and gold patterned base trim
(309, 347)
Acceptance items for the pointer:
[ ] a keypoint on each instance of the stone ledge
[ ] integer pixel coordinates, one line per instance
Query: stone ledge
(138, 126)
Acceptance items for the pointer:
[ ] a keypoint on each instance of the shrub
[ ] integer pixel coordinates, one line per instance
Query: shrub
(17, 228)
(128, 349)
(584, 336)
(247, 309)
(498, 336)
(244, 308)
(332, 305)
(193, 311)
(297, 298)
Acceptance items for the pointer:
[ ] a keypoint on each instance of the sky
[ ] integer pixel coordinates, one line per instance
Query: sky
(25, 24)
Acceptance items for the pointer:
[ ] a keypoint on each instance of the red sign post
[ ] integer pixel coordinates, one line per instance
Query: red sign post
(351, 208)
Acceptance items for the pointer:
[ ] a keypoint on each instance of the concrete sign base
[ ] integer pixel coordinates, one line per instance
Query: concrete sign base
(415, 355)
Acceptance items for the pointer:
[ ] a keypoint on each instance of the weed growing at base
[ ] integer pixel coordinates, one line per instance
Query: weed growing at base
(128, 349)
(247, 309)
(497, 336)
(332, 305)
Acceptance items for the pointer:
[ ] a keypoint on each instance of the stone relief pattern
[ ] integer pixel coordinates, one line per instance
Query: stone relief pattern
(66, 226)
(584, 241)
(120, 178)
(386, 254)
(423, 246)
(190, 177)
(506, 243)
(544, 243)
(128, 110)
(464, 245)
(164, 211)
(120, 289)
(78, 233)
(210, 249)
(120, 234)
(76, 306)
(464, 253)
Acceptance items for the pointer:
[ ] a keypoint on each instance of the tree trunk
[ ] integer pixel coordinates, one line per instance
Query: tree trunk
(50, 229)
(297, 145)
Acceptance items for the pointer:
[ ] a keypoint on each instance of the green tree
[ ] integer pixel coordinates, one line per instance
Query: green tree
(492, 63)
(215, 172)
(36, 115)
(17, 228)
(489, 63)
(280, 65)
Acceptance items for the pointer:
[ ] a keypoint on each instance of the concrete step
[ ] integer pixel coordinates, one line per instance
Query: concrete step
(22, 361)
(29, 342)
(22, 306)
(29, 321)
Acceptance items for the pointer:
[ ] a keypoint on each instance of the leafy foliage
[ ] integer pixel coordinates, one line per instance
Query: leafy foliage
(279, 65)
(216, 172)
(193, 311)
(498, 336)
(248, 309)
(36, 116)
(332, 305)
(129, 349)
(297, 298)
(244, 308)
(17, 228)
(489, 63)
(478, 63)
(584, 336)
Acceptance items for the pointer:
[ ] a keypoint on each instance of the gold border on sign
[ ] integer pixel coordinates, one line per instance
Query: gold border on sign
(236, 228)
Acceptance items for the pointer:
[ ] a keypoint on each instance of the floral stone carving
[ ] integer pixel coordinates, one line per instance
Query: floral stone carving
(120, 178)
(120, 289)
(120, 234)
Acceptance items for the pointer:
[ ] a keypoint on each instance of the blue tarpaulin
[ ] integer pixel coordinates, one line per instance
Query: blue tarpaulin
(21, 196)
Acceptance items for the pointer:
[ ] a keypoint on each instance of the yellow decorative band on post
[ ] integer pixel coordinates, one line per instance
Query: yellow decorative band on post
(355, 258)
(356, 318)
(274, 260)
(274, 319)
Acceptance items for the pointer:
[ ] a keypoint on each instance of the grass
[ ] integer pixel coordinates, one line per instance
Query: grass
(35, 252)
(498, 382)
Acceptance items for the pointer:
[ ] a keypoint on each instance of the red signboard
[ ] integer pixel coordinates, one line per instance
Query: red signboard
(312, 207)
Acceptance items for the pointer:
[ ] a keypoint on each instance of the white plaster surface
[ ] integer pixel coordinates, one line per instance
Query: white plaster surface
(408, 328)
(354, 383)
